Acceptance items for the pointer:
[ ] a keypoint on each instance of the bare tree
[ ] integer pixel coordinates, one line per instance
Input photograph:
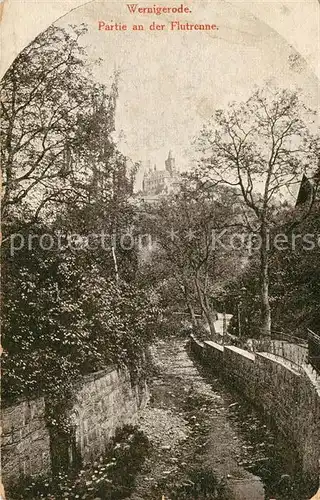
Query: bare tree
(261, 147)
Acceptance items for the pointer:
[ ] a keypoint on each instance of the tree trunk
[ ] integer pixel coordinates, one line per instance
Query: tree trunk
(194, 321)
(264, 284)
(211, 315)
(192, 315)
(210, 320)
(205, 309)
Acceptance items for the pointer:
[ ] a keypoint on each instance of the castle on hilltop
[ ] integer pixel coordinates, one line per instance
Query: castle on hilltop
(160, 182)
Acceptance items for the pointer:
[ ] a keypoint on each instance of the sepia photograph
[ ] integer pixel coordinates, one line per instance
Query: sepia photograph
(160, 250)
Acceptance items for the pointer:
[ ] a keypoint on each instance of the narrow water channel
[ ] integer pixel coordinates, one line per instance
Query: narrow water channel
(206, 441)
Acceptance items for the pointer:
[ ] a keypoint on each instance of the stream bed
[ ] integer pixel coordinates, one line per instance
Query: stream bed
(206, 442)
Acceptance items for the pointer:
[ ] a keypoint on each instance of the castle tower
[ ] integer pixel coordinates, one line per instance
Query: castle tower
(170, 163)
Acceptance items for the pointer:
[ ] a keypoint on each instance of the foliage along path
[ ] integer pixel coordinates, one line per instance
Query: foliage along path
(205, 442)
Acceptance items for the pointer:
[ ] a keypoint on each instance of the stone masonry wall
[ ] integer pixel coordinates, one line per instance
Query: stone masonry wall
(239, 370)
(290, 398)
(104, 402)
(293, 402)
(25, 440)
(213, 356)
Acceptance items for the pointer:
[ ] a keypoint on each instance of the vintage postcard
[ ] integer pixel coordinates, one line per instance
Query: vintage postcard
(160, 250)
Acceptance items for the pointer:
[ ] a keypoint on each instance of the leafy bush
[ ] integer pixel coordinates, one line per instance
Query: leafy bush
(111, 478)
(65, 315)
(200, 484)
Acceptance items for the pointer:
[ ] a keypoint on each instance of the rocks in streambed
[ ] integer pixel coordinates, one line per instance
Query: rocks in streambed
(164, 428)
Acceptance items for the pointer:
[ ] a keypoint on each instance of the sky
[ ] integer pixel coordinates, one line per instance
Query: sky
(171, 82)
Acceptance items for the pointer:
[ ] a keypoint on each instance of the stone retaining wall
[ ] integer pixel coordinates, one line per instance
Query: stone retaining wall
(290, 398)
(25, 440)
(104, 401)
(213, 356)
(239, 367)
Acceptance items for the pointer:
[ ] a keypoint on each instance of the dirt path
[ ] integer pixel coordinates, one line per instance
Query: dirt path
(206, 443)
(193, 439)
